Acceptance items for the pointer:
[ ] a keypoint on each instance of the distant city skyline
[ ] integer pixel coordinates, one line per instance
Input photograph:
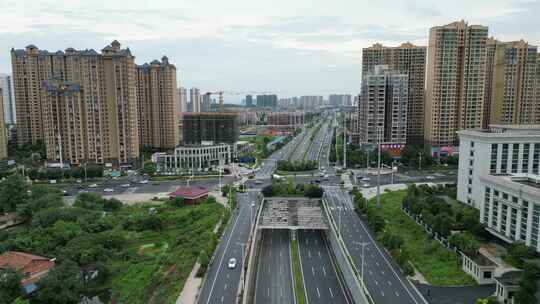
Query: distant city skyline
(280, 47)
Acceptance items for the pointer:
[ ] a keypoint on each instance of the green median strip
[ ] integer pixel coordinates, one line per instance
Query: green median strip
(298, 282)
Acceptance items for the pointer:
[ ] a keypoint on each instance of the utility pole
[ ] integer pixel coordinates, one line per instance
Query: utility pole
(420, 161)
(363, 244)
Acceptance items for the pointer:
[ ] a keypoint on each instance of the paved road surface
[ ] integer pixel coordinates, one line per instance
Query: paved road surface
(274, 283)
(221, 284)
(320, 278)
(383, 279)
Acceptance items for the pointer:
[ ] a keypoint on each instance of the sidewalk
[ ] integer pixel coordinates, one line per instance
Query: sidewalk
(191, 287)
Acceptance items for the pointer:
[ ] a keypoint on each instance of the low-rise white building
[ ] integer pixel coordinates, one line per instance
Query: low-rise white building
(479, 267)
(186, 159)
(499, 175)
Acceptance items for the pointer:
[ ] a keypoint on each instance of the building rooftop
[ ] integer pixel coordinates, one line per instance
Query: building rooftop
(501, 131)
(523, 182)
(510, 278)
(32, 266)
(189, 192)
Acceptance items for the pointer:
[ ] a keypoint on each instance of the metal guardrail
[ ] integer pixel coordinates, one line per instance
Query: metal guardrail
(358, 289)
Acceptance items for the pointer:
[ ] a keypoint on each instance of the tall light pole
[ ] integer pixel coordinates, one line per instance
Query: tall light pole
(378, 168)
(344, 143)
(363, 244)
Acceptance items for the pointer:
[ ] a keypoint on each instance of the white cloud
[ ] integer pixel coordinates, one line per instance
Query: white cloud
(222, 44)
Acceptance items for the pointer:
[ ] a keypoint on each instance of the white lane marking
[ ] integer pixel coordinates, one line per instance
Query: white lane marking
(223, 256)
(376, 283)
(382, 293)
(324, 271)
(331, 294)
(378, 265)
(268, 291)
(319, 254)
(318, 293)
(389, 283)
(221, 299)
(313, 270)
(397, 294)
(225, 287)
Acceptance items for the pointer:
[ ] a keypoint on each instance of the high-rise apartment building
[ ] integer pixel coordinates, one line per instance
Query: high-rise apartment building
(182, 100)
(340, 100)
(158, 109)
(3, 134)
(311, 102)
(455, 82)
(510, 96)
(96, 91)
(6, 85)
(249, 101)
(206, 103)
(382, 115)
(194, 100)
(267, 101)
(410, 60)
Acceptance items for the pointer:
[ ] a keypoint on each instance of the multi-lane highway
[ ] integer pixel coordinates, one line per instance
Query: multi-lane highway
(274, 272)
(318, 271)
(318, 140)
(221, 284)
(269, 165)
(382, 277)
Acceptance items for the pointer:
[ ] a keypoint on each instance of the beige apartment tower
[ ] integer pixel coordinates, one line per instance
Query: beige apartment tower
(405, 59)
(82, 104)
(158, 106)
(3, 135)
(510, 96)
(455, 82)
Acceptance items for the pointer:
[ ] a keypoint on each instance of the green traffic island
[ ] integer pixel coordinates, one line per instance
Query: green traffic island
(302, 166)
(289, 189)
(299, 290)
(131, 254)
(410, 243)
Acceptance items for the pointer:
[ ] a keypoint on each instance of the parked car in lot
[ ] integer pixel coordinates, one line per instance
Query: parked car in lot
(232, 263)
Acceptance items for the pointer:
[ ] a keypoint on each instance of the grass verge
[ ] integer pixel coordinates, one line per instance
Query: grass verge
(438, 265)
(298, 282)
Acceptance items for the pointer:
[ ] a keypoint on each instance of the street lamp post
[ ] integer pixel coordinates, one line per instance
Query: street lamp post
(378, 168)
(363, 244)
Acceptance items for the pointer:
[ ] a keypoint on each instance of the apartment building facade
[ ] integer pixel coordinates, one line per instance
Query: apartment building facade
(3, 134)
(158, 105)
(382, 112)
(105, 83)
(194, 100)
(456, 74)
(499, 175)
(510, 94)
(410, 60)
(6, 85)
(182, 100)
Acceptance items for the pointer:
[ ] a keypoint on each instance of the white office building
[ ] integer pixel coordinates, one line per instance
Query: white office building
(499, 175)
(187, 159)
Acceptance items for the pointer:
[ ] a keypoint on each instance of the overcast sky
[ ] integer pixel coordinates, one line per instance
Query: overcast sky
(289, 47)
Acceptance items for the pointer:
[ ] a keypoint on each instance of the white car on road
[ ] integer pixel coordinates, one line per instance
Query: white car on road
(108, 190)
(232, 263)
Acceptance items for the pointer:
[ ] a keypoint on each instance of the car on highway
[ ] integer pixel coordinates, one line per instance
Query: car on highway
(365, 185)
(365, 179)
(430, 177)
(258, 182)
(144, 181)
(232, 263)
(83, 191)
(108, 190)
(126, 185)
(93, 186)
